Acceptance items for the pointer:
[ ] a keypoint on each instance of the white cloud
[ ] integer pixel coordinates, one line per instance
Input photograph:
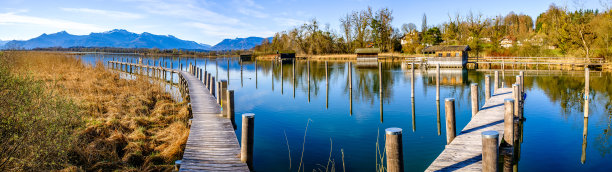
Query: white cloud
(187, 9)
(12, 18)
(229, 31)
(105, 13)
(251, 12)
(288, 22)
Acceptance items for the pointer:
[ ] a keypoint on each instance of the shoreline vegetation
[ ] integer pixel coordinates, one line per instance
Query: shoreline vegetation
(557, 32)
(59, 114)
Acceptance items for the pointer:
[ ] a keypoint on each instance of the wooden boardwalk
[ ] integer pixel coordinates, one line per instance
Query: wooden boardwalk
(465, 151)
(212, 144)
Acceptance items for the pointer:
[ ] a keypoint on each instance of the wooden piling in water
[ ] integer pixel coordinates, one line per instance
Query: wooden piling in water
(587, 89)
(438, 116)
(394, 150)
(509, 121)
(522, 74)
(246, 148)
(350, 75)
(520, 85)
(516, 95)
(449, 107)
(208, 77)
(496, 81)
(412, 80)
(228, 71)
(474, 93)
(438, 82)
(490, 151)
(487, 87)
(222, 92)
(229, 104)
(212, 87)
(200, 75)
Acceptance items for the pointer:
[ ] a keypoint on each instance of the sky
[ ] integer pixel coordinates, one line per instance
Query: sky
(211, 21)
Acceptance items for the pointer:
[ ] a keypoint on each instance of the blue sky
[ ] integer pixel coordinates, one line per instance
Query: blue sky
(209, 22)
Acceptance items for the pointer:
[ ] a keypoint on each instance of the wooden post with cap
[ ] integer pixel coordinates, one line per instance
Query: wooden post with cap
(246, 148)
(449, 107)
(393, 146)
(490, 151)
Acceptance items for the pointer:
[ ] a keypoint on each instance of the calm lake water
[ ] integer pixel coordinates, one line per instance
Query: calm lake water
(347, 123)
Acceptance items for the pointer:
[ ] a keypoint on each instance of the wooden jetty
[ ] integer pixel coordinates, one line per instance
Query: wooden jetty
(212, 144)
(464, 153)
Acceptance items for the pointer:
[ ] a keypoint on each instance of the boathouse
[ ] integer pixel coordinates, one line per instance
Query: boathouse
(281, 55)
(367, 52)
(447, 55)
(246, 57)
(367, 57)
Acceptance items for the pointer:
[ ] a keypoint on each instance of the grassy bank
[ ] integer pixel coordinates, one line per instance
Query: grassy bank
(85, 118)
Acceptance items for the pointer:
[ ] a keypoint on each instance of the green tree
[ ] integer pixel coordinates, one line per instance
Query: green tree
(433, 36)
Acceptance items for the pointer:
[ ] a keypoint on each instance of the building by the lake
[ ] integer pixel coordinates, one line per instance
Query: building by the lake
(447, 55)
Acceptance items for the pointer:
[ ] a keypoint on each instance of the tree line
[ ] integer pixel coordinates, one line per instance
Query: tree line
(555, 32)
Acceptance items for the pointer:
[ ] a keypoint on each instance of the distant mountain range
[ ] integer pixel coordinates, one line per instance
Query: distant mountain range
(120, 38)
(239, 43)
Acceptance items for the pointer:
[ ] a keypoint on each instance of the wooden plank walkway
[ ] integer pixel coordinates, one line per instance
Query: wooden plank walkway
(465, 151)
(212, 144)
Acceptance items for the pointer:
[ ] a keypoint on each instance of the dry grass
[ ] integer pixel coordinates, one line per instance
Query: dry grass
(130, 124)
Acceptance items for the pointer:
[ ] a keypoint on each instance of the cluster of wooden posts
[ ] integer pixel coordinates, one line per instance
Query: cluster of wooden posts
(158, 69)
(534, 62)
(491, 147)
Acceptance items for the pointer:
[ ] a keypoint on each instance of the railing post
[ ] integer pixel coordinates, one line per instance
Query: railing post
(490, 151)
(449, 107)
(393, 147)
(246, 148)
(474, 93)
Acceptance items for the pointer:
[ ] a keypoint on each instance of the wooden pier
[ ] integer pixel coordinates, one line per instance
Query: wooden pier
(464, 153)
(212, 144)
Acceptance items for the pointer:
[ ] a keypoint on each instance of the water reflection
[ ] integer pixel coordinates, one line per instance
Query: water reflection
(438, 115)
(584, 140)
(560, 94)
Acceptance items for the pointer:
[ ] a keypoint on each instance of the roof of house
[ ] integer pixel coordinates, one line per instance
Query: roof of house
(435, 48)
(367, 50)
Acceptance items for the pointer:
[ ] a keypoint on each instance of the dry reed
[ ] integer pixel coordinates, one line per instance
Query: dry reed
(130, 124)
